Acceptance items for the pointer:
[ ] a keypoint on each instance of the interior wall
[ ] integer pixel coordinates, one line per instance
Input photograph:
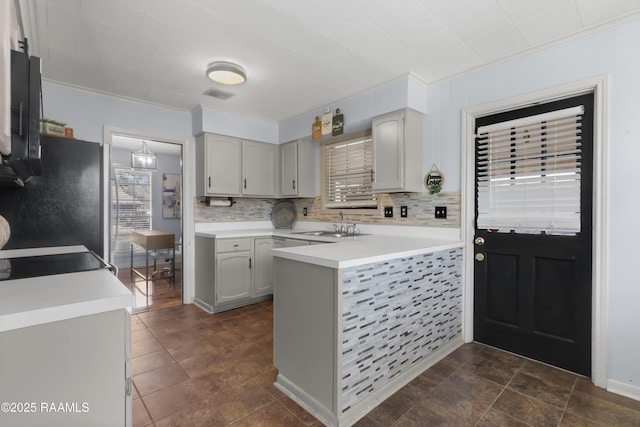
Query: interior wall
(607, 52)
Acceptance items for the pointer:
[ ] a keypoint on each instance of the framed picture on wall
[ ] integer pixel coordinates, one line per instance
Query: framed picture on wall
(171, 195)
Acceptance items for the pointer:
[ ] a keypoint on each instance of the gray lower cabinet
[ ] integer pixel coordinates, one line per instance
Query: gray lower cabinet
(72, 372)
(233, 276)
(263, 266)
(231, 273)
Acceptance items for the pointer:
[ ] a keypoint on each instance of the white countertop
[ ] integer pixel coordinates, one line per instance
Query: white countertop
(377, 244)
(39, 300)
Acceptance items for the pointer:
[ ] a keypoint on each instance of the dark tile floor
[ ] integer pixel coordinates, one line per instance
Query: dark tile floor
(194, 369)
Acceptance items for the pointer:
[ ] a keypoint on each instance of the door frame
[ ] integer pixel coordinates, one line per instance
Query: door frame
(599, 85)
(188, 283)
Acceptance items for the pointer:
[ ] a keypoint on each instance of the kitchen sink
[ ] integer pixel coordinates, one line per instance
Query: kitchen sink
(326, 233)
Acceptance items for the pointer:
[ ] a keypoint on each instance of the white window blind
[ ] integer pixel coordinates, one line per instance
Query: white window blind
(347, 174)
(528, 173)
(130, 206)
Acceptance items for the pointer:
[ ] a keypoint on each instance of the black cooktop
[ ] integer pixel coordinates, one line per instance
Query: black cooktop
(47, 265)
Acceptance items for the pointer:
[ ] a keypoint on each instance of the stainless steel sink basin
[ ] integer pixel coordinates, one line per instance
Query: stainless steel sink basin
(325, 233)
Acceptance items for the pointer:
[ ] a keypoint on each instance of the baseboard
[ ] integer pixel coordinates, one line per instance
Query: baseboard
(306, 401)
(623, 389)
(203, 305)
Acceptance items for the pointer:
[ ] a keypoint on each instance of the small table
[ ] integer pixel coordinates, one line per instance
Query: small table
(153, 240)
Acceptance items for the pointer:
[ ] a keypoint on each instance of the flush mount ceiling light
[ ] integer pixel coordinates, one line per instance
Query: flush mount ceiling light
(226, 73)
(144, 159)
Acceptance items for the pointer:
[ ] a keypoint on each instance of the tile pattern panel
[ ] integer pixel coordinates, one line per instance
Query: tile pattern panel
(395, 314)
(421, 207)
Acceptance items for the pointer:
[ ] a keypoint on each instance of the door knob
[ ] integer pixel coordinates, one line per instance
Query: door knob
(479, 241)
(480, 257)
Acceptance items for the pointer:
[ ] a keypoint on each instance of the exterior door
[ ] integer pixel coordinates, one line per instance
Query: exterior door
(532, 274)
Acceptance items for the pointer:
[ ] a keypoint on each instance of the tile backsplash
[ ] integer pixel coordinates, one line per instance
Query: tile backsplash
(420, 210)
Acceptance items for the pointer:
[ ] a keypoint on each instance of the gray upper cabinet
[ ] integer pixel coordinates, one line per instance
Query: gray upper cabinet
(398, 138)
(258, 169)
(297, 169)
(218, 162)
(227, 166)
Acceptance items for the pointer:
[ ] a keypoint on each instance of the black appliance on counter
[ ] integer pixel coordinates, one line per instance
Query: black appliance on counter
(23, 163)
(64, 205)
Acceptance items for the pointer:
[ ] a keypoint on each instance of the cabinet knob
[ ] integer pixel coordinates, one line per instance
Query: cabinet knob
(245, 183)
(294, 184)
(209, 182)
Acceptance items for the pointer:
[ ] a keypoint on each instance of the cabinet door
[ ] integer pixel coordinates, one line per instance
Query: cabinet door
(258, 168)
(289, 167)
(263, 269)
(222, 166)
(233, 276)
(388, 152)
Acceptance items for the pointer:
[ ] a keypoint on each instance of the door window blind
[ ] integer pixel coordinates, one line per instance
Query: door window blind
(528, 173)
(130, 206)
(347, 174)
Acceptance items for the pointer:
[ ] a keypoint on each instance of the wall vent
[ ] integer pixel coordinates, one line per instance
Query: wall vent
(216, 93)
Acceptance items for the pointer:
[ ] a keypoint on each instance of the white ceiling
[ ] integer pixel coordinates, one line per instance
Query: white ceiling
(300, 55)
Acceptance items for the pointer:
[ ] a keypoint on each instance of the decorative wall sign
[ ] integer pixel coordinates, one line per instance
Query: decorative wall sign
(171, 195)
(316, 130)
(434, 180)
(326, 122)
(338, 123)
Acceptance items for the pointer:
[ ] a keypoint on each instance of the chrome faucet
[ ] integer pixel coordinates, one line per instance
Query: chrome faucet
(341, 228)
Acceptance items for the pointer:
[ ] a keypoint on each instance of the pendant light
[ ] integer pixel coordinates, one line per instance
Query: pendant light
(143, 158)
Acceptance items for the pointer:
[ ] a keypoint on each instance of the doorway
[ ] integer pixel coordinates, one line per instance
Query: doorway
(144, 198)
(533, 232)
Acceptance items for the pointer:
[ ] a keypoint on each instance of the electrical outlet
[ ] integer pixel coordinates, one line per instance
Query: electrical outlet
(441, 212)
(403, 211)
(388, 211)
(304, 211)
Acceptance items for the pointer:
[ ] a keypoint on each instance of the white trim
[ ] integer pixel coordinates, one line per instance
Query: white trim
(188, 283)
(599, 85)
(624, 389)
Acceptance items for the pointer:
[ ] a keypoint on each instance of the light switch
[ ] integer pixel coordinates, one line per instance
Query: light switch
(388, 211)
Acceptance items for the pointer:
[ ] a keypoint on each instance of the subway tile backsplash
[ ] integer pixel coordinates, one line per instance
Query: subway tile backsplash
(421, 207)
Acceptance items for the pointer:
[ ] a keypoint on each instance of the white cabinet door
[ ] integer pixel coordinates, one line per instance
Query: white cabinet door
(233, 276)
(388, 149)
(258, 169)
(222, 165)
(289, 166)
(263, 268)
(298, 169)
(398, 140)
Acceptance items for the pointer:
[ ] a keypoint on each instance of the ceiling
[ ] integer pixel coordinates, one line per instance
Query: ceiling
(300, 55)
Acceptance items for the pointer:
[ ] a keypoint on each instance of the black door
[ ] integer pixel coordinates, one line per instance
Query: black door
(533, 288)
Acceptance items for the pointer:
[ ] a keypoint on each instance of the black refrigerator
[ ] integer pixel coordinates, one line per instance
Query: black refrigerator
(64, 205)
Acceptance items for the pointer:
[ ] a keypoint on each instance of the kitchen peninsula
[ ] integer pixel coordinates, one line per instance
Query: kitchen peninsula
(357, 319)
